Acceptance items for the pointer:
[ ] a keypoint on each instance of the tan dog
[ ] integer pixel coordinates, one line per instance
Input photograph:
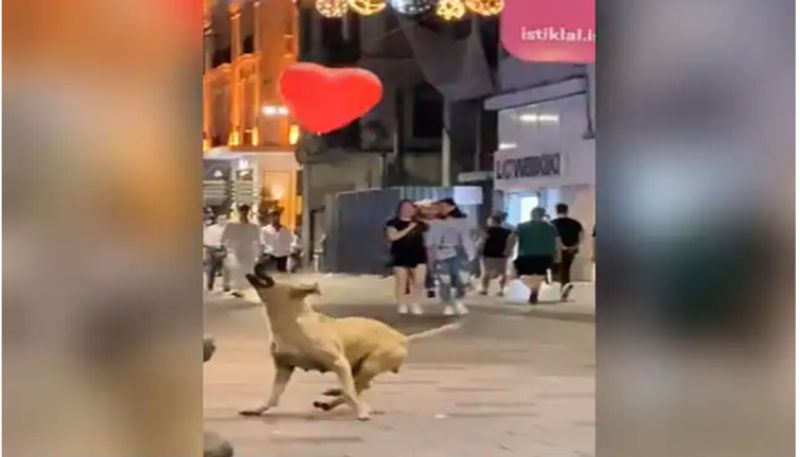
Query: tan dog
(355, 348)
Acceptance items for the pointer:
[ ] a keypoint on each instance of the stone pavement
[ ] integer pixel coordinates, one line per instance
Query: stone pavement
(508, 383)
(368, 290)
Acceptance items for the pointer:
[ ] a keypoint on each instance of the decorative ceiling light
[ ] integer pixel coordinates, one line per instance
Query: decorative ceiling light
(331, 8)
(486, 7)
(367, 7)
(412, 7)
(450, 10)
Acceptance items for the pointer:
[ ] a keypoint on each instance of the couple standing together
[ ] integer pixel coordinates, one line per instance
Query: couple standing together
(429, 239)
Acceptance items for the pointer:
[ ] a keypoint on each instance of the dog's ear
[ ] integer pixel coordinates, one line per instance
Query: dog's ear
(303, 290)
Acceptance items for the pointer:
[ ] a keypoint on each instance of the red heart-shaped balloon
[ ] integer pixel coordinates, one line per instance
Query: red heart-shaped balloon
(324, 99)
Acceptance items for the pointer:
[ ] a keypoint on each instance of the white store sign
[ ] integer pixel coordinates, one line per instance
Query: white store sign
(544, 146)
(516, 169)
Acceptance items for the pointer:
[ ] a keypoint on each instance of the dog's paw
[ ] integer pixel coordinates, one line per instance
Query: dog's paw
(334, 392)
(252, 412)
(323, 405)
(364, 413)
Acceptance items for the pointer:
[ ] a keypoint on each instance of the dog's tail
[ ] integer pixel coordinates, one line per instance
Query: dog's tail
(435, 331)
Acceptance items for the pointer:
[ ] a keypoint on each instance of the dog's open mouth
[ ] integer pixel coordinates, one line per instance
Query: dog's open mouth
(260, 280)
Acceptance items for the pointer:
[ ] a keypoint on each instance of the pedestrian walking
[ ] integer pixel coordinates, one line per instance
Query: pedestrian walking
(538, 248)
(296, 257)
(495, 248)
(409, 262)
(320, 253)
(216, 253)
(451, 245)
(429, 212)
(277, 240)
(570, 232)
(208, 216)
(503, 215)
(243, 242)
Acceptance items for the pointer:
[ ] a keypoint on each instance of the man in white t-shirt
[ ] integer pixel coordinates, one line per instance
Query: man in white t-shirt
(216, 253)
(243, 242)
(278, 241)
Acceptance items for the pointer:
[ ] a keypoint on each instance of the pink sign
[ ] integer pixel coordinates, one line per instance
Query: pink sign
(552, 31)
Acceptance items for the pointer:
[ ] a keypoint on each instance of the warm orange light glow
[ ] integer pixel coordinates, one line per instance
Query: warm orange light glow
(281, 186)
(486, 7)
(367, 7)
(331, 8)
(294, 134)
(277, 191)
(450, 10)
(234, 139)
(240, 98)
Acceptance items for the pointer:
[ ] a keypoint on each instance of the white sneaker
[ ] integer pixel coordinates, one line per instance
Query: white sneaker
(402, 309)
(449, 311)
(416, 309)
(461, 309)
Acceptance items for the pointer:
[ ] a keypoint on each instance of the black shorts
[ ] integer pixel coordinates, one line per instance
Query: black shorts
(281, 263)
(533, 265)
(267, 263)
(409, 259)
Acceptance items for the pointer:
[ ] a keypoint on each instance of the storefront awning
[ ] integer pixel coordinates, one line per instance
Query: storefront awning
(539, 94)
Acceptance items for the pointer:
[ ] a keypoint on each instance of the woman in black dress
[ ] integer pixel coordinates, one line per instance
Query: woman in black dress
(409, 256)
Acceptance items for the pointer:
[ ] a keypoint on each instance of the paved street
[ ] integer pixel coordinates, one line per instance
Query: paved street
(513, 381)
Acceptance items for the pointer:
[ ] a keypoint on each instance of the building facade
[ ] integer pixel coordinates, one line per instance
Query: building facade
(247, 45)
(546, 146)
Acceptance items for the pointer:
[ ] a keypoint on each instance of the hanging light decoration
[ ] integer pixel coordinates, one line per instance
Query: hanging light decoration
(331, 8)
(450, 10)
(412, 7)
(367, 7)
(486, 7)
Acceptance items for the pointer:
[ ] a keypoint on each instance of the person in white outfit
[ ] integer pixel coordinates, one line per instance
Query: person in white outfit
(296, 257)
(243, 242)
(278, 241)
(216, 253)
(450, 244)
